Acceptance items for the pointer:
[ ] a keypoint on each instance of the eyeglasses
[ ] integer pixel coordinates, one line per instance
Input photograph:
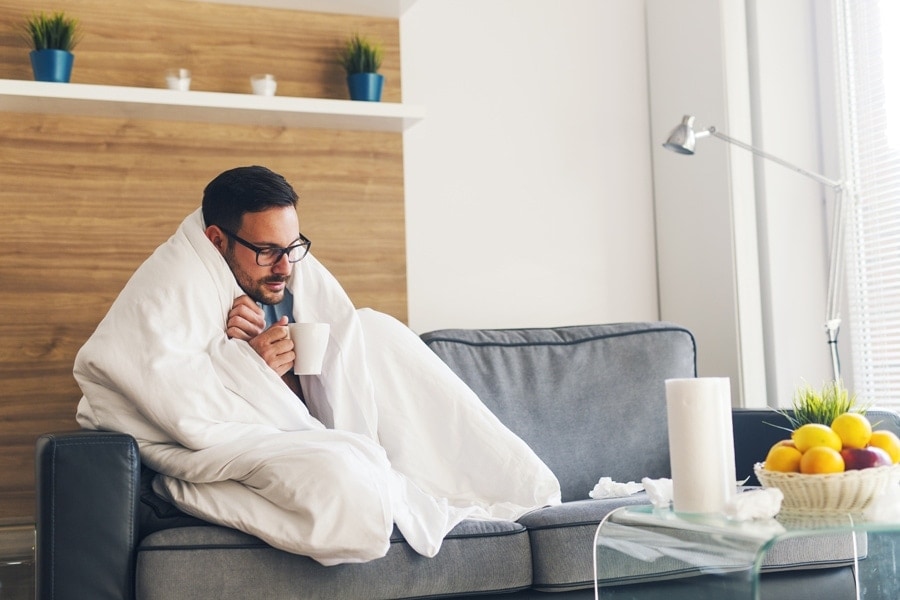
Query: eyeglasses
(266, 257)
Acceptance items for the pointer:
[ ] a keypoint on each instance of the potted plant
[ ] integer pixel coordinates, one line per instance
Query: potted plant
(52, 38)
(361, 60)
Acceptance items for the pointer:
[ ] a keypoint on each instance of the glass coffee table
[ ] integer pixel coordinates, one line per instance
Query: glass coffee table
(711, 555)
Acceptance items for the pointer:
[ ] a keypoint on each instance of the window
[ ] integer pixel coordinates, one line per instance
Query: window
(869, 44)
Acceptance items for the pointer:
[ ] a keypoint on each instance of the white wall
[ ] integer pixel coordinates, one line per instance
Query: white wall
(533, 182)
(529, 199)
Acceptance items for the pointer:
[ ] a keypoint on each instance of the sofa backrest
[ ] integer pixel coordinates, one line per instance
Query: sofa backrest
(589, 399)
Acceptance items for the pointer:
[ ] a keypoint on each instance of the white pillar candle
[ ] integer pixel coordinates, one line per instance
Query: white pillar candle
(701, 444)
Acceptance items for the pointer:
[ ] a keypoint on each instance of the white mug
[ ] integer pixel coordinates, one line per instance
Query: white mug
(178, 79)
(310, 342)
(263, 85)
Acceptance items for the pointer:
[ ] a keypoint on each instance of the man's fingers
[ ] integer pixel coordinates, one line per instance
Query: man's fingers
(275, 347)
(245, 319)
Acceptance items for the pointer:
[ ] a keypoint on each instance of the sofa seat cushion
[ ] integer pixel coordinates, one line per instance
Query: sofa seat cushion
(562, 541)
(217, 563)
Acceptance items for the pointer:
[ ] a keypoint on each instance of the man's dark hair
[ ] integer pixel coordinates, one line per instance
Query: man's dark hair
(241, 190)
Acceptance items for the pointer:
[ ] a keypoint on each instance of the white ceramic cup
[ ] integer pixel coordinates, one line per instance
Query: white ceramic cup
(310, 341)
(263, 85)
(178, 79)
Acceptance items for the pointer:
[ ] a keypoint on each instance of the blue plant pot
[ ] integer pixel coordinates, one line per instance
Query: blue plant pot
(52, 65)
(365, 86)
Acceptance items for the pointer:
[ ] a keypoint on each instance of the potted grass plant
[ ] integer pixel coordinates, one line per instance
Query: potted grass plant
(361, 60)
(821, 406)
(52, 38)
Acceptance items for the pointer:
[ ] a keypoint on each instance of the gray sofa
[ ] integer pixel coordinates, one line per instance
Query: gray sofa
(589, 399)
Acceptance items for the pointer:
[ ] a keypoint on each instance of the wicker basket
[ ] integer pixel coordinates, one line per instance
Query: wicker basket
(847, 492)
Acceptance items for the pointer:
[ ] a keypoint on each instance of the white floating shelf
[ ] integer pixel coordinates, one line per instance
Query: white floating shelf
(371, 8)
(206, 107)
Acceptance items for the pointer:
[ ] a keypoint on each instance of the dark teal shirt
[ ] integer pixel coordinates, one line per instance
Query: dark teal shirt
(274, 312)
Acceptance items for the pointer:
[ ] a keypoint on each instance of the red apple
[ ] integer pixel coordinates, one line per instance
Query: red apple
(863, 458)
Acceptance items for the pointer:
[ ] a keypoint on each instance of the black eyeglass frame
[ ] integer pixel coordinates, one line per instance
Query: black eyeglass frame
(305, 243)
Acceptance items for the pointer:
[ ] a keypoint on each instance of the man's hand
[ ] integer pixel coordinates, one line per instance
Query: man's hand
(275, 347)
(246, 319)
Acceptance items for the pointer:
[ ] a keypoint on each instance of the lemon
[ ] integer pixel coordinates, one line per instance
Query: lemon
(887, 441)
(821, 459)
(783, 458)
(816, 434)
(853, 428)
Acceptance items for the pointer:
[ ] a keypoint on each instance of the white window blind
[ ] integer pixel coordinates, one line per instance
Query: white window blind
(868, 36)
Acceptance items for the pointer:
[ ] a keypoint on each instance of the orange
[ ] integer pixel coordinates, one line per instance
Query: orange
(821, 459)
(783, 458)
(816, 434)
(854, 429)
(887, 441)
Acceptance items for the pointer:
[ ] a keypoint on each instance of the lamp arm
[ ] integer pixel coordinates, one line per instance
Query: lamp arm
(815, 176)
(832, 301)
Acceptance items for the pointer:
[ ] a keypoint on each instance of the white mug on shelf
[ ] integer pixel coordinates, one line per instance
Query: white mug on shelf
(263, 85)
(178, 79)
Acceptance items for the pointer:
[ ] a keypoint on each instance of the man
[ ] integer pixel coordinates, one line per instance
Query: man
(188, 363)
(252, 203)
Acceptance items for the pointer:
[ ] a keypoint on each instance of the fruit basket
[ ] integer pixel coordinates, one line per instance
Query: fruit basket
(847, 492)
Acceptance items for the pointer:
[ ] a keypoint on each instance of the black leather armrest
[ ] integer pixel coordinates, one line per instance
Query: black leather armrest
(86, 520)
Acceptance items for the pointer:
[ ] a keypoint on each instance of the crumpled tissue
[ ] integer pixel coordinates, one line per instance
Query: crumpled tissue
(607, 488)
(755, 504)
(659, 491)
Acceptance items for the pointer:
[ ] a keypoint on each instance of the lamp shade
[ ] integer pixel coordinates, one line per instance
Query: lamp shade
(682, 139)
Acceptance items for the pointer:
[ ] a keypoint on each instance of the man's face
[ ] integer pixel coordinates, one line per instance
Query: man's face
(272, 228)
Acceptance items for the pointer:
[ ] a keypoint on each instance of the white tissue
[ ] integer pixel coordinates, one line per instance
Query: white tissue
(755, 504)
(607, 488)
(659, 491)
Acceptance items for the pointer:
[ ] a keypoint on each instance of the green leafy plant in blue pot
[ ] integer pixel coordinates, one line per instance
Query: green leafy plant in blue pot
(52, 38)
(361, 60)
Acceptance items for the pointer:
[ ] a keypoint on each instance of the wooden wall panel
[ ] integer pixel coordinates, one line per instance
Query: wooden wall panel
(86, 200)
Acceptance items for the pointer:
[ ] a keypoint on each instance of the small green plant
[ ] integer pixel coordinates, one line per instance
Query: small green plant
(359, 55)
(820, 406)
(52, 32)
(812, 406)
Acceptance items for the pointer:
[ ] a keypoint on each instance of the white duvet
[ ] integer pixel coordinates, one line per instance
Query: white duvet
(394, 436)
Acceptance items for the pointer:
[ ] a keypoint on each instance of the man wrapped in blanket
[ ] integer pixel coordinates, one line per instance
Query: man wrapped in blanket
(194, 360)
